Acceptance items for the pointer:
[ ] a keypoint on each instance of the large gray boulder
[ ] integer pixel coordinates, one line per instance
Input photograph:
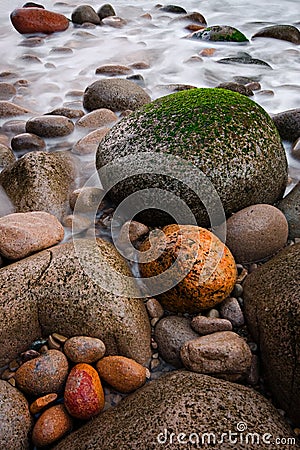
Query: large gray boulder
(40, 181)
(197, 406)
(52, 292)
(272, 309)
(231, 139)
(15, 418)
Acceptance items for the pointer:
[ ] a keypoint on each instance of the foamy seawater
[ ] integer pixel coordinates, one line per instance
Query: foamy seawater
(160, 43)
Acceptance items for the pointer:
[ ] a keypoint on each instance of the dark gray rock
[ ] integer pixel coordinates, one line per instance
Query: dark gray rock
(115, 94)
(170, 334)
(181, 402)
(85, 13)
(288, 124)
(15, 418)
(236, 87)
(106, 10)
(40, 181)
(272, 310)
(60, 294)
(284, 32)
(217, 33)
(174, 9)
(227, 136)
(27, 142)
(244, 58)
(290, 206)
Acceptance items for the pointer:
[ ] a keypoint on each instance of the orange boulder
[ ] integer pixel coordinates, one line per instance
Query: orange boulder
(38, 20)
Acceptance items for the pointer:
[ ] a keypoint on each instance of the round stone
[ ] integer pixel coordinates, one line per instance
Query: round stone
(38, 20)
(256, 232)
(85, 13)
(98, 118)
(115, 94)
(53, 424)
(227, 136)
(208, 325)
(84, 349)
(43, 375)
(211, 270)
(27, 142)
(50, 126)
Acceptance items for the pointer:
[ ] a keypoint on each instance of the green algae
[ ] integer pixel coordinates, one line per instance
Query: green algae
(219, 33)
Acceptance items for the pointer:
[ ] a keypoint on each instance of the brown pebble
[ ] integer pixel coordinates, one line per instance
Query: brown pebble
(154, 308)
(53, 344)
(123, 374)
(28, 355)
(51, 426)
(113, 70)
(12, 381)
(84, 349)
(14, 365)
(207, 325)
(41, 402)
(59, 337)
(7, 374)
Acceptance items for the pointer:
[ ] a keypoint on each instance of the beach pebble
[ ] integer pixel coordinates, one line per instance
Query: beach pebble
(86, 199)
(154, 308)
(230, 309)
(9, 109)
(50, 126)
(256, 232)
(22, 234)
(116, 94)
(38, 20)
(40, 403)
(98, 118)
(223, 354)
(106, 10)
(7, 91)
(170, 334)
(123, 374)
(288, 124)
(278, 31)
(84, 383)
(89, 143)
(84, 349)
(14, 126)
(113, 70)
(70, 113)
(114, 21)
(43, 375)
(85, 13)
(236, 87)
(54, 423)
(130, 232)
(7, 156)
(27, 142)
(213, 313)
(207, 325)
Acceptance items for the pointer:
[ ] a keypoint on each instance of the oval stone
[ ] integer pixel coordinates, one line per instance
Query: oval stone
(256, 232)
(38, 20)
(53, 424)
(43, 375)
(84, 349)
(123, 374)
(50, 126)
(84, 396)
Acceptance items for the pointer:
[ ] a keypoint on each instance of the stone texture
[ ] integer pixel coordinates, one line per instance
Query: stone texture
(123, 374)
(231, 140)
(256, 232)
(207, 325)
(230, 309)
(51, 426)
(236, 87)
(84, 349)
(89, 143)
(106, 10)
(284, 32)
(15, 419)
(40, 403)
(288, 124)
(50, 126)
(217, 33)
(154, 308)
(86, 199)
(113, 70)
(290, 206)
(98, 118)
(39, 181)
(22, 234)
(51, 292)
(85, 13)
(188, 403)
(115, 94)
(38, 20)
(71, 113)
(7, 91)
(170, 334)
(7, 156)
(8, 109)
(84, 383)
(272, 311)
(43, 375)
(223, 354)
(205, 273)
(27, 142)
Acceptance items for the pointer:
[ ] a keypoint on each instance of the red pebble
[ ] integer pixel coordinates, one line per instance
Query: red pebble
(84, 396)
(37, 20)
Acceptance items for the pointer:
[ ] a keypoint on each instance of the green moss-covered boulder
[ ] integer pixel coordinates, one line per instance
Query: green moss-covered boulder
(231, 139)
(219, 33)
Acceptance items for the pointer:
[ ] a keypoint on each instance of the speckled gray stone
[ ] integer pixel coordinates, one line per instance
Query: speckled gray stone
(116, 94)
(288, 124)
(59, 296)
(290, 206)
(180, 402)
(170, 334)
(50, 126)
(106, 10)
(15, 418)
(85, 13)
(284, 32)
(40, 181)
(272, 311)
(27, 142)
(226, 135)
(7, 156)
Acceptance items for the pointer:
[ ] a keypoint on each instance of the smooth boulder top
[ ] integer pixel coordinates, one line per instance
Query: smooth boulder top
(181, 402)
(226, 135)
(272, 310)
